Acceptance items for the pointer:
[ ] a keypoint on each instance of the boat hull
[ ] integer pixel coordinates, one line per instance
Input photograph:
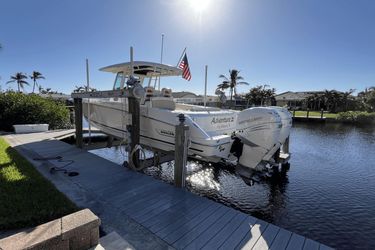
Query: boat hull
(211, 131)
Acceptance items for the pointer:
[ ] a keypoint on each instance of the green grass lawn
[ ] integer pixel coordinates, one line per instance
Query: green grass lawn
(26, 197)
(315, 113)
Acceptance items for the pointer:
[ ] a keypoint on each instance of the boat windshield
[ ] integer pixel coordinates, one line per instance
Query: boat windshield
(118, 81)
(122, 79)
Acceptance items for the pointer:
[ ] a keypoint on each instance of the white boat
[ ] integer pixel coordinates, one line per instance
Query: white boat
(252, 135)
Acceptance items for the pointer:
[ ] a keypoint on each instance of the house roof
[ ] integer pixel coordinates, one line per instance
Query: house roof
(296, 96)
(182, 94)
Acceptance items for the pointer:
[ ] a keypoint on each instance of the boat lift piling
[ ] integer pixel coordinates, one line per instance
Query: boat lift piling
(78, 121)
(285, 146)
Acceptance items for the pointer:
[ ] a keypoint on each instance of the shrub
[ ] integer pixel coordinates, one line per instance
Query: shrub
(18, 108)
(359, 117)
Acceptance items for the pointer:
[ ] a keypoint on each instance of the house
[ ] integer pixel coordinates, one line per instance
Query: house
(184, 94)
(296, 100)
(187, 97)
(191, 98)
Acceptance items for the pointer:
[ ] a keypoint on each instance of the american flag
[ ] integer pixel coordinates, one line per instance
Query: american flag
(184, 65)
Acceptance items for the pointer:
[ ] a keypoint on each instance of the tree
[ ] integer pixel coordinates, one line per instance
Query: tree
(231, 82)
(19, 78)
(332, 99)
(261, 95)
(347, 97)
(83, 88)
(36, 76)
(367, 98)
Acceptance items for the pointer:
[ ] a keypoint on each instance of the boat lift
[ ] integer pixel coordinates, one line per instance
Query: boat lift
(181, 132)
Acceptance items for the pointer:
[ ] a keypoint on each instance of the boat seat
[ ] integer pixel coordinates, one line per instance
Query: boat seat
(163, 103)
(166, 92)
(149, 92)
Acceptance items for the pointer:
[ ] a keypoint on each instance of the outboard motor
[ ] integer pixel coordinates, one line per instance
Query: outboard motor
(286, 124)
(259, 130)
(286, 121)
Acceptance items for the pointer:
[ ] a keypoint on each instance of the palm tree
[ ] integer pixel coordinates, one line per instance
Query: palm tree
(232, 82)
(19, 78)
(346, 96)
(36, 76)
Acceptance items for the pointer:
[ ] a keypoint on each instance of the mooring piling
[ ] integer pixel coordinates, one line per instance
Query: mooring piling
(135, 127)
(181, 151)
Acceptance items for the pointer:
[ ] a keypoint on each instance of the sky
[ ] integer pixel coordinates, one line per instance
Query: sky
(296, 45)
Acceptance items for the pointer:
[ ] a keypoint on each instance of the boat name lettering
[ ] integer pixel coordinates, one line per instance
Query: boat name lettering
(166, 132)
(222, 120)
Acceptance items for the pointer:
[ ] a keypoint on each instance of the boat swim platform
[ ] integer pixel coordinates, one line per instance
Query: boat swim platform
(146, 212)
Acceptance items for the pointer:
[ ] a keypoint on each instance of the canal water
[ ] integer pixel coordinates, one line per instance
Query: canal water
(328, 194)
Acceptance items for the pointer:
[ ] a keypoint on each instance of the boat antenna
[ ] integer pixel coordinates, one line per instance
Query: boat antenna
(205, 85)
(161, 57)
(131, 61)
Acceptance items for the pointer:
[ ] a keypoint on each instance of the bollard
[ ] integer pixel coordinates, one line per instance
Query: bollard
(307, 114)
(321, 114)
(181, 151)
(78, 121)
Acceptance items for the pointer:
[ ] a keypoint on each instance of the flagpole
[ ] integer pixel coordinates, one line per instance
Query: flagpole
(179, 60)
(205, 85)
(88, 100)
(161, 56)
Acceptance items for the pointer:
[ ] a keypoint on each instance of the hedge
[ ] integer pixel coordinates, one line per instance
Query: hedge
(19, 108)
(359, 117)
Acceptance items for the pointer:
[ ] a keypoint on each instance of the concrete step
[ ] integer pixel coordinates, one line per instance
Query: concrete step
(113, 241)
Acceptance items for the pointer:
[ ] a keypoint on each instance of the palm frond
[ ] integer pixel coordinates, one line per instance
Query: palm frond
(24, 82)
(223, 86)
(37, 75)
(224, 77)
(243, 83)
